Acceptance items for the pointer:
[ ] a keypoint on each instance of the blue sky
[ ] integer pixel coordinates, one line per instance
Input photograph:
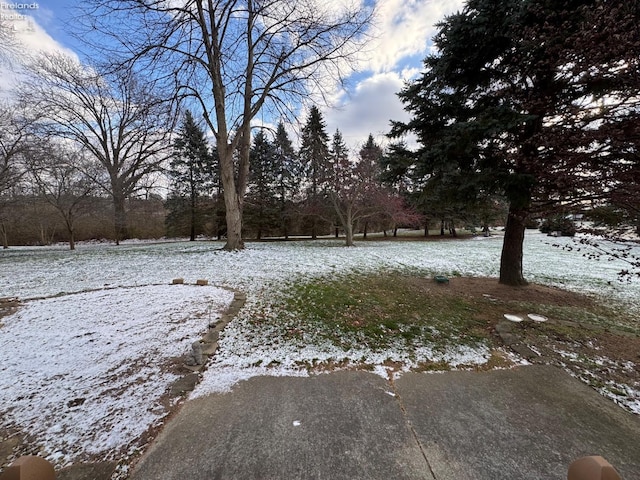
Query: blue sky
(402, 34)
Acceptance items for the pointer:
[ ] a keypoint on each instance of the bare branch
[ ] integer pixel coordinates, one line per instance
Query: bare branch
(117, 118)
(236, 58)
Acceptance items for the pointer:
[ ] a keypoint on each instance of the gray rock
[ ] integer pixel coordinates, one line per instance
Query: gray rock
(195, 357)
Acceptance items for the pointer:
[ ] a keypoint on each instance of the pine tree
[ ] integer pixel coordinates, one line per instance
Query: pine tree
(261, 206)
(528, 99)
(287, 172)
(340, 167)
(368, 169)
(191, 172)
(314, 155)
(338, 159)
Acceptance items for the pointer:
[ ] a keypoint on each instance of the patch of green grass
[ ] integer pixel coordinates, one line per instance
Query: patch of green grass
(382, 310)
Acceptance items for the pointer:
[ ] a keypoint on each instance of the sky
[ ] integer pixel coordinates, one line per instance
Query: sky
(401, 38)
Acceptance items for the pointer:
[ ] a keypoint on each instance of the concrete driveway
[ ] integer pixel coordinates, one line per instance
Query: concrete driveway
(525, 423)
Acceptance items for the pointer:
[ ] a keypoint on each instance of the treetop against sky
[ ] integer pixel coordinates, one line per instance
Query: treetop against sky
(398, 40)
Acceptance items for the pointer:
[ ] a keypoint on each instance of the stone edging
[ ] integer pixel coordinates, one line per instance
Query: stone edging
(207, 346)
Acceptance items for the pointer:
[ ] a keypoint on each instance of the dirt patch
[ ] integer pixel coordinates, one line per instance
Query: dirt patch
(489, 288)
(582, 336)
(8, 306)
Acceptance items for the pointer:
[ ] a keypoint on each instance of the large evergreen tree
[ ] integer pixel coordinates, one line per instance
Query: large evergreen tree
(191, 173)
(287, 171)
(261, 206)
(338, 158)
(314, 155)
(370, 157)
(340, 166)
(528, 98)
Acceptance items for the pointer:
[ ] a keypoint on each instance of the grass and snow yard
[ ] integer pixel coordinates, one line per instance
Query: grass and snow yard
(89, 353)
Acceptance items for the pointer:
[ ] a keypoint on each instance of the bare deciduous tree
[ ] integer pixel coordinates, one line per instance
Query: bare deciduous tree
(116, 118)
(356, 192)
(14, 144)
(58, 174)
(8, 42)
(235, 58)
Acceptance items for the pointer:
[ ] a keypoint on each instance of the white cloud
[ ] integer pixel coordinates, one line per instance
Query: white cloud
(404, 28)
(368, 110)
(29, 38)
(401, 38)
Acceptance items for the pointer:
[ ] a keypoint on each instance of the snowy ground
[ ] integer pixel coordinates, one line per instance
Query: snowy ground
(82, 359)
(84, 373)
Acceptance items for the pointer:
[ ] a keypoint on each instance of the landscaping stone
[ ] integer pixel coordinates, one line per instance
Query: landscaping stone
(524, 351)
(209, 348)
(211, 336)
(184, 385)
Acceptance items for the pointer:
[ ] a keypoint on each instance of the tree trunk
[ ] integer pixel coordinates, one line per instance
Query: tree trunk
(70, 230)
(192, 229)
(348, 227)
(283, 219)
(511, 259)
(232, 201)
(5, 237)
(234, 221)
(366, 227)
(119, 217)
(45, 238)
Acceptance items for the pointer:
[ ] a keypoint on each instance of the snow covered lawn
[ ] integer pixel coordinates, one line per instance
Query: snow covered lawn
(85, 373)
(82, 360)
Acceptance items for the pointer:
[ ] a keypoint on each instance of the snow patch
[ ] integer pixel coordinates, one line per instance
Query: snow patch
(84, 372)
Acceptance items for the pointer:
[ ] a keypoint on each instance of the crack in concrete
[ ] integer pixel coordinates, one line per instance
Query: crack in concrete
(405, 415)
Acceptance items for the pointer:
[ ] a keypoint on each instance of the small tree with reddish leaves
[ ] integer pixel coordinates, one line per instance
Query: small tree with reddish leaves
(357, 195)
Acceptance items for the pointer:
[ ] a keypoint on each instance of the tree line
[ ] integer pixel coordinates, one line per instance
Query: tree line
(55, 189)
(318, 189)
